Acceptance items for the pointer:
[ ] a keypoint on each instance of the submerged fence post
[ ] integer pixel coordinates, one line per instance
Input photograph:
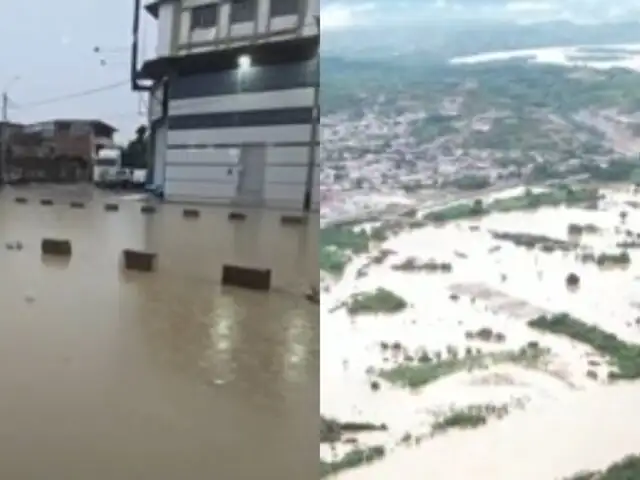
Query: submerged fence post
(57, 247)
(246, 277)
(293, 220)
(191, 213)
(138, 261)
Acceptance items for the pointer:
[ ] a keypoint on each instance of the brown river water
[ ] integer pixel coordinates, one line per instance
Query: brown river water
(107, 375)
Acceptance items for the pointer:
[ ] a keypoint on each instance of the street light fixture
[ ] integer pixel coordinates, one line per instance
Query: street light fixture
(244, 62)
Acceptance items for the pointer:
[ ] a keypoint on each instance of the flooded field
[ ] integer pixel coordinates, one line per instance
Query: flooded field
(587, 431)
(107, 375)
(438, 333)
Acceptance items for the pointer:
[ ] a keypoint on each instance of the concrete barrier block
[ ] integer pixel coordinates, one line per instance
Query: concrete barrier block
(147, 209)
(77, 205)
(46, 202)
(56, 246)
(139, 261)
(21, 200)
(237, 216)
(293, 220)
(111, 207)
(246, 277)
(191, 213)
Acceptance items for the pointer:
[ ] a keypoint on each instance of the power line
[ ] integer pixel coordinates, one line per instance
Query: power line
(80, 94)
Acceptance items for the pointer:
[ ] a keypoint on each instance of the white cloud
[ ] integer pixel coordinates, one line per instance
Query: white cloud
(530, 6)
(340, 15)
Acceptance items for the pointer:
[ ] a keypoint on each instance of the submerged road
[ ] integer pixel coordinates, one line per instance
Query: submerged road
(109, 375)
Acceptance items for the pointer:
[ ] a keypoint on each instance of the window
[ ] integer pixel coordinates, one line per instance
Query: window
(243, 11)
(204, 16)
(80, 129)
(106, 162)
(64, 127)
(281, 8)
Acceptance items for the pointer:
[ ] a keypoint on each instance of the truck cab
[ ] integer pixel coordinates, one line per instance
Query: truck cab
(107, 167)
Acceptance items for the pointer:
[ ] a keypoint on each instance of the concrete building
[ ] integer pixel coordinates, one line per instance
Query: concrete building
(74, 136)
(61, 150)
(233, 108)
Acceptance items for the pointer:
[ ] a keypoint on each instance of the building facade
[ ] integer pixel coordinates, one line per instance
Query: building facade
(55, 150)
(82, 138)
(233, 110)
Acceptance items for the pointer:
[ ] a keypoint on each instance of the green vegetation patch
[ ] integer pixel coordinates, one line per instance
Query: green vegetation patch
(380, 300)
(353, 459)
(460, 419)
(458, 211)
(330, 430)
(412, 264)
(626, 356)
(616, 259)
(563, 195)
(345, 238)
(529, 240)
(626, 469)
(338, 244)
(412, 375)
(579, 229)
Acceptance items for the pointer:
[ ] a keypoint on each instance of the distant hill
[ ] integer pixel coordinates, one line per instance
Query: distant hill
(447, 40)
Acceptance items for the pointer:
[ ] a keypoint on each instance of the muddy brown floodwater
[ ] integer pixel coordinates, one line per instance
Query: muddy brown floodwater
(106, 375)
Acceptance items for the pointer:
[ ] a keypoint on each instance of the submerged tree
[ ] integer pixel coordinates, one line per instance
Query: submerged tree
(572, 280)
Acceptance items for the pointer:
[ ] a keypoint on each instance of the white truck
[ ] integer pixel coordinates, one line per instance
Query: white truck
(109, 171)
(107, 167)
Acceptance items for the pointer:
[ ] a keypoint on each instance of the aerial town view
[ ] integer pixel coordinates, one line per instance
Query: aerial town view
(480, 226)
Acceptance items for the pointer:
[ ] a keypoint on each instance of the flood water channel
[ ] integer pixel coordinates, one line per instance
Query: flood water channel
(165, 375)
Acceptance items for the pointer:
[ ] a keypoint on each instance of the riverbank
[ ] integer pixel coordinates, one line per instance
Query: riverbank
(338, 244)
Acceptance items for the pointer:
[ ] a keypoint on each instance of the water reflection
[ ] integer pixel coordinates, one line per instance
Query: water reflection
(224, 335)
(298, 338)
(117, 374)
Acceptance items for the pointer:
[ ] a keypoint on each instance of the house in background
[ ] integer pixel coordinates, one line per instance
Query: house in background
(9, 128)
(55, 150)
(78, 137)
(233, 109)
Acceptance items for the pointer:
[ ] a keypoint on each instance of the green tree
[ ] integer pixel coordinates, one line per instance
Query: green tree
(477, 207)
(135, 155)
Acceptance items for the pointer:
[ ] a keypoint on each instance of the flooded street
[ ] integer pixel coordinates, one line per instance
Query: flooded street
(107, 375)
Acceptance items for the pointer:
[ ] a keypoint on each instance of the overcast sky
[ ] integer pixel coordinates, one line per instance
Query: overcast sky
(340, 14)
(49, 45)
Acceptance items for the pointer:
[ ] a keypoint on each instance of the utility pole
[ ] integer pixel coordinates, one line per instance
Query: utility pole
(4, 132)
(4, 137)
(5, 106)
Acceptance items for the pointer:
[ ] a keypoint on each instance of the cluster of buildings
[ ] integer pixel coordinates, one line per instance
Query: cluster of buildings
(60, 150)
(388, 157)
(233, 101)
